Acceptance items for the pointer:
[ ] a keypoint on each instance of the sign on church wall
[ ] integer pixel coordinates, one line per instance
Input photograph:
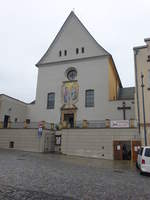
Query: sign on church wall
(119, 124)
(70, 93)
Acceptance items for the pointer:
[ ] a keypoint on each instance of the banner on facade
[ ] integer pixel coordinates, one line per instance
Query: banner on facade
(119, 124)
(70, 92)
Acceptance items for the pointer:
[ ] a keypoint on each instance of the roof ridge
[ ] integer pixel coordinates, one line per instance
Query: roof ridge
(61, 29)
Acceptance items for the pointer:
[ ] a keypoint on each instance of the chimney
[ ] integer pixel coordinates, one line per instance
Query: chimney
(147, 41)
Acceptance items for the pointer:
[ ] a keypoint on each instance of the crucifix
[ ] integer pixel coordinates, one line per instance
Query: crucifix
(124, 108)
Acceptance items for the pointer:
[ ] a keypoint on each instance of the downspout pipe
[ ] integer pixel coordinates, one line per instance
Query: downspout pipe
(137, 93)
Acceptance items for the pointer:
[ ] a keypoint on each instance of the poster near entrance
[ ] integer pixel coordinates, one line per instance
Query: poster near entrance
(117, 150)
(135, 147)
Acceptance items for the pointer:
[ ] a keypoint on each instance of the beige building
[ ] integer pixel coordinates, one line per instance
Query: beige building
(142, 67)
(11, 110)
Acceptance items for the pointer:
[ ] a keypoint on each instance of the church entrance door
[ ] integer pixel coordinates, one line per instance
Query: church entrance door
(69, 118)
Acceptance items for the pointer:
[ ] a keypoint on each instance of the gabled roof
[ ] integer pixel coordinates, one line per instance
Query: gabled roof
(72, 14)
(63, 28)
(126, 93)
(9, 97)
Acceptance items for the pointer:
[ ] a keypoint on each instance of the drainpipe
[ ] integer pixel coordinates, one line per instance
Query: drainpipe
(137, 93)
(142, 85)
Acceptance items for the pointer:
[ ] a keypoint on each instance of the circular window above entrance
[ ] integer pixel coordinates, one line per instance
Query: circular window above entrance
(71, 73)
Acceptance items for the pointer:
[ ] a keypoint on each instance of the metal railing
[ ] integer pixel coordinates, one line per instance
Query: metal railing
(79, 124)
(31, 125)
(91, 124)
(97, 124)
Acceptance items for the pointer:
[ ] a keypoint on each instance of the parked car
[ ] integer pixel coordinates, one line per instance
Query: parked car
(143, 159)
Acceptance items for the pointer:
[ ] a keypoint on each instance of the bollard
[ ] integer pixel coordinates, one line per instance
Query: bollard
(107, 123)
(64, 124)
(9, 124)
(1, 125)
(84, 124)
(43, 124)
(25, 124)
(52, 126)
(132, 123)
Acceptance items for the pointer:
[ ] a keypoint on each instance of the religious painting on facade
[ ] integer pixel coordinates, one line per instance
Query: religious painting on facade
(70, 92)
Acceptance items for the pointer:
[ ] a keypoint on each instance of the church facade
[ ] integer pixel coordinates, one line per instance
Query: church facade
(79, 91)
(78, 80)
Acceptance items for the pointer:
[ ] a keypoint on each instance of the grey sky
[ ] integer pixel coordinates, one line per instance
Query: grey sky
(27, 28)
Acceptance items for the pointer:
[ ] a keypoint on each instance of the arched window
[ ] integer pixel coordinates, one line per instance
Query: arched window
(89, 98)
(77, 50)
(82, 49)
(60, 53)
(51, 100)
(65, 52)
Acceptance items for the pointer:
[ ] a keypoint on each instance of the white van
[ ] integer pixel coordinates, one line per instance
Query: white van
(143, 160)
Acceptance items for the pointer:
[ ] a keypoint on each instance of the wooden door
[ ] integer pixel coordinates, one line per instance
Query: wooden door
(135, 146)
(118, 150)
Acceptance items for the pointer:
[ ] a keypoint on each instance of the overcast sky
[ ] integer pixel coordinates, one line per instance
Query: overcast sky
(27, 28)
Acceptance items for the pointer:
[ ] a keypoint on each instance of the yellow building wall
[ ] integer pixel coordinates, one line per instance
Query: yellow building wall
(113, 81)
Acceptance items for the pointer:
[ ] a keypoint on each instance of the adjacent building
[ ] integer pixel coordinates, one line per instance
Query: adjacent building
(142, 73)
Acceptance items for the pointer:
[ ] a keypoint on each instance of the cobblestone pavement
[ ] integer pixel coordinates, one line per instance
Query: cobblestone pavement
(28, 176)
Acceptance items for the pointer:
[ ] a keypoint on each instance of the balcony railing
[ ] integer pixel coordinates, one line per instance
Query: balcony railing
(91, 124)
(31, 125)
(79, 124)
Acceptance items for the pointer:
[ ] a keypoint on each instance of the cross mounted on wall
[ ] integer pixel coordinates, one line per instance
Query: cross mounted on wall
(124, 108)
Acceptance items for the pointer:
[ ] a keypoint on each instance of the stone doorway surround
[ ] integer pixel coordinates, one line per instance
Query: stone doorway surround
(68, 110)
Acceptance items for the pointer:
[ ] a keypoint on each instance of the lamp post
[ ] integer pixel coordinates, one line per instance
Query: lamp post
(142, 86)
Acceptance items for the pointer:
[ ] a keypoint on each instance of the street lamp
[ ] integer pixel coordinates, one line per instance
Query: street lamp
(142, 86)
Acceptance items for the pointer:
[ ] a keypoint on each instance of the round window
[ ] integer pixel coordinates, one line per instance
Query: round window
(72, 74)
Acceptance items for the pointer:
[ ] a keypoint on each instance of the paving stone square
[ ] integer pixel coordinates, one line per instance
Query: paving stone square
(39, 176)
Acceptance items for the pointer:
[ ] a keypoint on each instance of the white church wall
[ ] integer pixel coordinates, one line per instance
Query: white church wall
(91, 74)
(97, 143)
(13, 108)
